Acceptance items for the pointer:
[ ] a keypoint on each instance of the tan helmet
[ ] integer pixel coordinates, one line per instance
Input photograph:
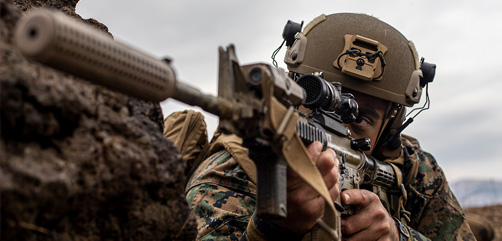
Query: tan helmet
(393, 75)
(363, 54)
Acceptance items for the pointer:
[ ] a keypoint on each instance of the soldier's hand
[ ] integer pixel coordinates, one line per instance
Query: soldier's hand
(305, 205)
(371, 220)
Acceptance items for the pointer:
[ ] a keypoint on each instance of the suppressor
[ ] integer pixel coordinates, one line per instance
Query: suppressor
(59, 41)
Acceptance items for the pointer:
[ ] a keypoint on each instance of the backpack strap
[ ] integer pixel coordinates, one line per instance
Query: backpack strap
(188, 131)
(233, 145)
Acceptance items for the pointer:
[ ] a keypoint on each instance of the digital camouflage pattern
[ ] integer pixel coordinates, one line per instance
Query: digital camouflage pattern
(223, 198)
(435, 211)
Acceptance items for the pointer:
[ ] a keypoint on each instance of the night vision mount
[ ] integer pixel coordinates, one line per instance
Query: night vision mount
(363, 58)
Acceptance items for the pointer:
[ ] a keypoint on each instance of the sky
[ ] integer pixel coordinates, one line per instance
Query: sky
(462, 128)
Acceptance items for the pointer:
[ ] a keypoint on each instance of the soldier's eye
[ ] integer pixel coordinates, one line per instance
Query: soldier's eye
(362, 121)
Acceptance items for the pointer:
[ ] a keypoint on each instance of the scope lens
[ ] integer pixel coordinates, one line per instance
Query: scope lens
(320, 93)
(313, 87)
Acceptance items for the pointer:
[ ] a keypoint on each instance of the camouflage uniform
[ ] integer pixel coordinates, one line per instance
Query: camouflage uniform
(223, 198)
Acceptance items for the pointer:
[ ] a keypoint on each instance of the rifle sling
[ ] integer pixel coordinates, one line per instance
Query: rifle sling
(296, 155)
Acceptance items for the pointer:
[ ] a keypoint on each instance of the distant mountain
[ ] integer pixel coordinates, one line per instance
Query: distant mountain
(477, 193)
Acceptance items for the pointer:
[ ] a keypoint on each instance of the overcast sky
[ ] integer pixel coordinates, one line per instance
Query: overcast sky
(462, 128)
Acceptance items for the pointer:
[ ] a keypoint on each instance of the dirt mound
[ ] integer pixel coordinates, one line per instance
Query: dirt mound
(491, 214)
(78, 161)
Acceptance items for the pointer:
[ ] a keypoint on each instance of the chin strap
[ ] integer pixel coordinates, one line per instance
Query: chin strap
(394, 114)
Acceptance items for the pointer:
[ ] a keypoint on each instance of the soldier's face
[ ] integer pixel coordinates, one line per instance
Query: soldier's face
(370, 119)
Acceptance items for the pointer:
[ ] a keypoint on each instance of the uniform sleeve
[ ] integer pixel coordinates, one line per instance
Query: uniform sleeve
(222, 198)
(435, 211)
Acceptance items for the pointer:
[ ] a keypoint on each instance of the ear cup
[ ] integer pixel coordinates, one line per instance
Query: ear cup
(289, 32)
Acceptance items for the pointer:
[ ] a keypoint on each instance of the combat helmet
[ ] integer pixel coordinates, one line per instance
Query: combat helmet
(364, 54)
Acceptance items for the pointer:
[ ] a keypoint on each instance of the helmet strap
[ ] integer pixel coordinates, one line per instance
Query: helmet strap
(387, 145)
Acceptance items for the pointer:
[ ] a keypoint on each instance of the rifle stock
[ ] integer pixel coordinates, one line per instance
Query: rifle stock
(256, 102)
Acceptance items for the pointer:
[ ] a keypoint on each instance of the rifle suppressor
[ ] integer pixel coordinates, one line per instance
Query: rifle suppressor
(57, 40)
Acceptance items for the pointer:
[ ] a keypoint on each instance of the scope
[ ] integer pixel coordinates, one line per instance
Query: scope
(328, 96)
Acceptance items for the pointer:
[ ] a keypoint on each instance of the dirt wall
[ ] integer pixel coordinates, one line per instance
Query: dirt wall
(78, 161)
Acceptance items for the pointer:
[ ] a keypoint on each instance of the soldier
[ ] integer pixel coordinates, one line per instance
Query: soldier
(380, 67)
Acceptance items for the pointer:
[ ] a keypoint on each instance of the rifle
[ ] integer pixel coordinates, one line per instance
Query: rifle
(257, 102)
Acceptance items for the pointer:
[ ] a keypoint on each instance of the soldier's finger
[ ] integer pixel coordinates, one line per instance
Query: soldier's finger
(334, 191)
(326, 161)
(314, 150)
(356, 223)
(331, 178)
(367, 225)
(358, 197)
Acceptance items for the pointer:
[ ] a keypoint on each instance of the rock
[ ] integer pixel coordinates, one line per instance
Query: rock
(78, 161)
